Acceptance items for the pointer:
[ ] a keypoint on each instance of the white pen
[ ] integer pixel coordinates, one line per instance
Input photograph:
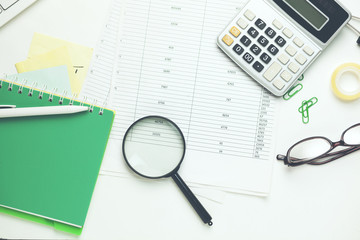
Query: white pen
(38, 111)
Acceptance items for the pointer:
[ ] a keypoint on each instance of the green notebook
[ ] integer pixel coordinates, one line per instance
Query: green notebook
(49, 164)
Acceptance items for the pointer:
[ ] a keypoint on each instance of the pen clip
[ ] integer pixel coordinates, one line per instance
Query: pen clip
(7, 106)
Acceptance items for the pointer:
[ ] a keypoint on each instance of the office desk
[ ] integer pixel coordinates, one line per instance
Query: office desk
(308, 202)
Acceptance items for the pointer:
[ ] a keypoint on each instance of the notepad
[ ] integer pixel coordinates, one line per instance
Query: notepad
(57, 57)
(80, 55)
(49, 164)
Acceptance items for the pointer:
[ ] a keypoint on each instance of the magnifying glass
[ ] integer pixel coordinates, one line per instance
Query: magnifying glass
(154, 147)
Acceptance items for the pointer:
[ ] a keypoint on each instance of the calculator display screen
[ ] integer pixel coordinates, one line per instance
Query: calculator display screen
(321, 18)
(309, 12)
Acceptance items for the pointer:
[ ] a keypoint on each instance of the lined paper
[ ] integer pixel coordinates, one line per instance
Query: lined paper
(98, 82)
(167, 63)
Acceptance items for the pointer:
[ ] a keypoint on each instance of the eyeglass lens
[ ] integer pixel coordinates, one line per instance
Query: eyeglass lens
(352, 135)
(311, 148)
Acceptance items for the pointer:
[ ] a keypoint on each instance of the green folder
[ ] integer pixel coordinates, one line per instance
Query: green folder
(49, 164)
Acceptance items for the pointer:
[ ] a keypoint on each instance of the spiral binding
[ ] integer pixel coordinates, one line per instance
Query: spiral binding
(11, 85)
(92, 105)
(31, 90)
(72, 99)
(102, 108)
(84, 100)
(1, 80)
(41, 92)
(61, 100)
(21, 87)
(51, 94)
(101, 112)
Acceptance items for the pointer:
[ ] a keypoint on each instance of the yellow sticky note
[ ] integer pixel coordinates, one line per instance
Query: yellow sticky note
(80, 55)
(57, 57)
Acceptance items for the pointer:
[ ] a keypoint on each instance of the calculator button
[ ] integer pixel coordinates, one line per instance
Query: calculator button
(253, 32)
(291, 50)
(273, 50)
(308, 50)
(279, 84)
(270, 32)
(227, 39)
(249, 15)
(260, 24)
(287, 32)
(242, 23)
(277, 24)
(272, 71)
(263, 41)
(248, 57)
(301, 59)
(265, 58)
(245, 40)
(258, 66)
(283, 59)
(235, 32)
(280, 41)
(286, 75)
(255, 49)
(238, 49)
(294, 67)
(298, 42)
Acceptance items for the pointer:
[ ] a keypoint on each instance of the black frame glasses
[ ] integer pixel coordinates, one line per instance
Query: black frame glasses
(325, 157)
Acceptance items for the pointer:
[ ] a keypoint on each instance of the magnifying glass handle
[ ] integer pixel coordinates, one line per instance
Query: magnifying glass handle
(201, 211)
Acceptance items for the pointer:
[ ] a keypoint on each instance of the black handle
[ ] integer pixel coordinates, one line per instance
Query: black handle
(201, 211)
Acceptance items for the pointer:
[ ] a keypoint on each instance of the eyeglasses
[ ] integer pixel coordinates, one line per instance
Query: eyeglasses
(318, 150)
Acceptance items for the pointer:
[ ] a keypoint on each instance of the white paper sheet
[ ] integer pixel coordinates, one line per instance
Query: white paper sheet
(162, 59)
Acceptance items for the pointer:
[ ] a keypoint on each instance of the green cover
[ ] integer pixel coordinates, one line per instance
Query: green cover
(49, 164)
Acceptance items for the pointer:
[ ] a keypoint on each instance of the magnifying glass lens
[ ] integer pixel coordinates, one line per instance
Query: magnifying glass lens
(153, 147)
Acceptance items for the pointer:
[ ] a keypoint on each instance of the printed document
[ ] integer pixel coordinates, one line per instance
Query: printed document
(158, 57)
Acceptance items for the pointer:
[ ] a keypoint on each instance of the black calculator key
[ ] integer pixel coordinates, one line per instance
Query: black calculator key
(273, 50)
(238, 49)
(260, 24)
(265, 58)
(245, 40)
(270, 32)
(280, 41)
(255, 49)
(263, 41)
(258, 66)
(248, 58)
(253, 32)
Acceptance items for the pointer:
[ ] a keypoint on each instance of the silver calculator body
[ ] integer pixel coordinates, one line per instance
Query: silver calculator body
(275, 41)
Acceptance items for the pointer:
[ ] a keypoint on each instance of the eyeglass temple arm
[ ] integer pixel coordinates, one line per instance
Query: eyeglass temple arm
(281, 157)
(286, 161)
(336, 155)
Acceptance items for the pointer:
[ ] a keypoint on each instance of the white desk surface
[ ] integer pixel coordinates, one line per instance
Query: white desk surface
(307, 202)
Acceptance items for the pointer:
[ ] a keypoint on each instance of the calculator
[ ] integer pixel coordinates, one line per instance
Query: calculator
(275, 41)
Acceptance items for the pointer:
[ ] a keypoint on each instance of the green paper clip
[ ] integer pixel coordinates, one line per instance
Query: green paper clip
(309, 104)
(293, 91)
(304, 109)
(301, 77)
(305, 112)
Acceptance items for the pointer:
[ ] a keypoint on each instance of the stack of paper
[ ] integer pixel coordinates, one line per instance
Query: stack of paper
(55, 65)
(161, 58)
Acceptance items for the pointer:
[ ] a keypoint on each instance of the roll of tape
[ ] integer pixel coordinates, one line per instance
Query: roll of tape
(338, 86)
